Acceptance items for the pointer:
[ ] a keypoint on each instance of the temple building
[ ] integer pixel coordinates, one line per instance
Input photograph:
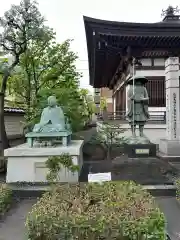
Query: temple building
(112, 47)
(103, 93)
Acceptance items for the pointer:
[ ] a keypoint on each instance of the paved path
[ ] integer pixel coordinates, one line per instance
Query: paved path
(13, 225)
(171, 209)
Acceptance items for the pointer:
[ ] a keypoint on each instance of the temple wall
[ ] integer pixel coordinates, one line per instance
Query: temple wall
(14, 128)
(13, 124)
(146, 61)
(150, 73)
(105, 92)
(159, 62)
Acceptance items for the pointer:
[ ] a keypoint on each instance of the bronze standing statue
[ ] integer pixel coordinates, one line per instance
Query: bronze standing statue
(137, 105)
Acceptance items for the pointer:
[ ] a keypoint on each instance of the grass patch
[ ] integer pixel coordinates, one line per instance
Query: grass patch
(113, 210)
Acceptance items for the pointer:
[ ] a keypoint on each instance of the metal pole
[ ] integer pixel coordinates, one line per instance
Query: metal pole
(133, 72)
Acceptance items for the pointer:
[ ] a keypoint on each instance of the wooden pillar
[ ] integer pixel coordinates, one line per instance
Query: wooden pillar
(124, 98)
(117, 103)
(120, 100)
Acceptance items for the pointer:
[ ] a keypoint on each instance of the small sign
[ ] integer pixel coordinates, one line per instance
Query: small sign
(142, 151)
(99, 177)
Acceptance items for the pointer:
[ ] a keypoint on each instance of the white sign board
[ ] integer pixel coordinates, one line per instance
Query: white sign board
(99, 177)
(142, 151)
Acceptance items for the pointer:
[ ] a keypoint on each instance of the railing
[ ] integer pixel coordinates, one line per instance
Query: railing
(155, 116)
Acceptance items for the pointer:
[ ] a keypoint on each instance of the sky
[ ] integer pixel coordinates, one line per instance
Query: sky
(66, 18)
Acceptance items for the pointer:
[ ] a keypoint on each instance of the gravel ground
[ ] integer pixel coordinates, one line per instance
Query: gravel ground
(142, 171)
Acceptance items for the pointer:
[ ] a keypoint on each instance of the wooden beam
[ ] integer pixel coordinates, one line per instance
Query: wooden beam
(122, 67)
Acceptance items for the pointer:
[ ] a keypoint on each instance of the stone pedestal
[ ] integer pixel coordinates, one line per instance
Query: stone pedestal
(171, 145)
(27, 164)
(141, 150)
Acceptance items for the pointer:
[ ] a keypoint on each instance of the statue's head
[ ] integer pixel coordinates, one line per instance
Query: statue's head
(52, 102)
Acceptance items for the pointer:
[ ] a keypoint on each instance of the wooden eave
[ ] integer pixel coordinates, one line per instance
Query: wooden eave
(107, 42)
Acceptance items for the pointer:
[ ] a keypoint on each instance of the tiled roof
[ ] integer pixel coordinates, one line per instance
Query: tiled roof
(13, 110)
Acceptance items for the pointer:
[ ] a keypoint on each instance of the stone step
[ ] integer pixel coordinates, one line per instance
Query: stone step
(173, 159)
(161, 190)
(37, 190)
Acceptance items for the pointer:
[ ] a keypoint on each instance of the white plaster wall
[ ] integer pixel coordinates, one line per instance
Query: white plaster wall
(151, 73)
(146, 61)
(159, 62)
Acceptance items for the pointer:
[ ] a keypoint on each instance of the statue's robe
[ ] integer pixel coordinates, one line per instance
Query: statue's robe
(141, 114)
(54, 115)
(52, 119)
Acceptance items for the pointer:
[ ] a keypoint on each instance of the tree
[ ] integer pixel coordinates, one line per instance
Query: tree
(21, 24)
(90, 106)
(47, 68)
(43, 66)
(103, 104)
(69, 98)
(103, 108)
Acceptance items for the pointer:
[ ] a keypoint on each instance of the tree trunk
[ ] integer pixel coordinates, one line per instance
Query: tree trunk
(105, 115)
(4, 143)
(3, 136)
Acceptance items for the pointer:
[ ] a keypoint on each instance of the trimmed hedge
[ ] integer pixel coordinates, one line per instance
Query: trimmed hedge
(112, 210)
(5, 198)
(177, 182)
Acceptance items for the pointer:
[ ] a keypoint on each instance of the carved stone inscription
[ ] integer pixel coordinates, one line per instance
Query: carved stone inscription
(174, 115)
(172, 98)
(167, 113)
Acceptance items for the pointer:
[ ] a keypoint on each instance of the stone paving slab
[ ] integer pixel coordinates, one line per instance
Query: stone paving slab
(12, 226)
(171, 209)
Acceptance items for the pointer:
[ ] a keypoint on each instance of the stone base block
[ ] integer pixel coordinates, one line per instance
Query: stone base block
(169, 147)
(25, 164)
(141, 150)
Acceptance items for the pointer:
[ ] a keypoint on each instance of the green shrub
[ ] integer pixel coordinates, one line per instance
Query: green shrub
(178, 189)
(5, 198)
(112, 210)
(55, 164)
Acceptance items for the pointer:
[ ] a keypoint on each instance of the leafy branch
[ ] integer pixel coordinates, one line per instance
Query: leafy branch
(108, 135)
(56, 163)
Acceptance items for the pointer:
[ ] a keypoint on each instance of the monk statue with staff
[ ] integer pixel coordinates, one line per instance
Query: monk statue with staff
(137, 104)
